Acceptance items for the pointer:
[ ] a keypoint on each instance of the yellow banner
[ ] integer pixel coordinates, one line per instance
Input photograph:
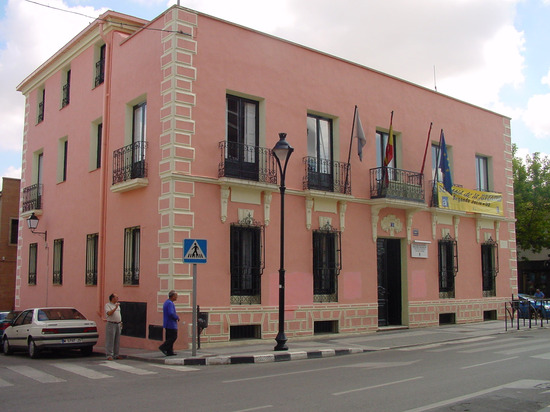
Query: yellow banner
(466, 200)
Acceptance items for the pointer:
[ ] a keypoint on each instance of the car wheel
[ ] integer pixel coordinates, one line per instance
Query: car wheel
(6, 347)
(33, 350)
(86, 350)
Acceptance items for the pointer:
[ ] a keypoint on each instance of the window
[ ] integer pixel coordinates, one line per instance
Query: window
(489, 266)
(242, 135)
(482, 173)
(448, 266)
(41, 104)
(131, 255)
(14, 228)
(246, 262)
(91, 259)
(98, 145)
(100, 66)
(66, 89)
(381, 142)
(58, 262)
(319, 150)
(326, 263)
(33, 255)
(139, 138)
(435, 164)
(63, 148)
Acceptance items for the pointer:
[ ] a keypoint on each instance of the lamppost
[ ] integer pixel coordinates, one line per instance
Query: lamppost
(282, 152)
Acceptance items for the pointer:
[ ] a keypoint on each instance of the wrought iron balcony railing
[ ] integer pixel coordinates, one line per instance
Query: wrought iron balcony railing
(99, 72)
(66, 95)
(129, 162)
(389, 182)
(242, 161)
(32, 197)
(327, 175)
(40, 116)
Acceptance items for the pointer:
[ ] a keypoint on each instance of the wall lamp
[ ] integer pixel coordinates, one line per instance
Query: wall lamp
(32, 223)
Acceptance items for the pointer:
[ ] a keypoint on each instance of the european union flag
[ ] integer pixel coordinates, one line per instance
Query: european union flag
(444, 166)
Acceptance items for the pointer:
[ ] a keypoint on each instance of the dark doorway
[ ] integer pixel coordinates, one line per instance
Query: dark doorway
(389, 281)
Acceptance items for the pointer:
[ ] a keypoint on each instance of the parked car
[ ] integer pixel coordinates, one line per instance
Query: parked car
(49, 328)
(5, 320)
(530, 306)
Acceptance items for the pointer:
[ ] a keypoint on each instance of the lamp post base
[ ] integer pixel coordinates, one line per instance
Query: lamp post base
(281, 342)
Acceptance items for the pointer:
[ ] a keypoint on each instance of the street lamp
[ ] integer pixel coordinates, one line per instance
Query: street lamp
(32, 223)
(282, 152)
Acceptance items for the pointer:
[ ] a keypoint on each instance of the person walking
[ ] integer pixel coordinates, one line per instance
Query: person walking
(113, 327)
(170, 324)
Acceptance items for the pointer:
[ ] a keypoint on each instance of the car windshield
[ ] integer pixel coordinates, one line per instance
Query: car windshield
(59, 314)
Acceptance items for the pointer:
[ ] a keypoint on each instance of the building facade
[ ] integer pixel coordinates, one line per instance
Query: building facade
(141, 134)
(9, 221)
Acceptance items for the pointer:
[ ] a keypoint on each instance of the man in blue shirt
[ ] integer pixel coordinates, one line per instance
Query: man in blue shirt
(170, 324)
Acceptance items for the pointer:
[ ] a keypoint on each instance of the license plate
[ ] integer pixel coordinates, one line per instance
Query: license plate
(71, 340)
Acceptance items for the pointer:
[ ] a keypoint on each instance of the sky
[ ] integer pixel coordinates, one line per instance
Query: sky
(490, 53)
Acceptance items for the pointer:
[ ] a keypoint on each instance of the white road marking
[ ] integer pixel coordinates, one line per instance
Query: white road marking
(502, 346)
(80, 370)
(366, 388)
(467, 343)
(521, 384)
(525, 349)
(276, 375)
(488, 363)
(127, 368)
(255, 409)
(179, 368)
(35, 374)
(542, 356)
(3, 383)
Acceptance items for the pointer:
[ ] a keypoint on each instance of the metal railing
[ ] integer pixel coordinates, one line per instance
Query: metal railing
(99, 72)
(129, 162)
(531, 311)
(32, 197)
(389, 182)
(66, 95)
(40, 116)
(247, 162)
(327, 175)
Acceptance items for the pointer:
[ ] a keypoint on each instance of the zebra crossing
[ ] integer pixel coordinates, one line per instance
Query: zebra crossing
(58, 372)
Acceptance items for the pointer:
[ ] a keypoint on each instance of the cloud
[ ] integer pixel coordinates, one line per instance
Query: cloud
(30, 34)
(546, 79)
(536, 116)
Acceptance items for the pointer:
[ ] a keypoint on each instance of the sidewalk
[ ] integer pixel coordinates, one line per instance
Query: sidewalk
(318, 346)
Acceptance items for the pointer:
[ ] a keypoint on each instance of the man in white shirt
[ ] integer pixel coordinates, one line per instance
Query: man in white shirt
(113, 327)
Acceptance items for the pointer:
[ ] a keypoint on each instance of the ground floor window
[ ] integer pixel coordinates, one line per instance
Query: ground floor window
(489, 266)
(58, 262)
(246, 262)
(448, 266)
(91, 259)
(33, 255)
(326, 264)
(132, 236)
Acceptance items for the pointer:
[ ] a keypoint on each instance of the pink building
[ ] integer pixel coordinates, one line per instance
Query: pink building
(140, 134)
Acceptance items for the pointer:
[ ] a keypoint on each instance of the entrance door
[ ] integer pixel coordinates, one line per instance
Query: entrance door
(389, 281)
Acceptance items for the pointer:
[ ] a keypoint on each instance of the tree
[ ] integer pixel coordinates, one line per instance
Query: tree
(532, 201)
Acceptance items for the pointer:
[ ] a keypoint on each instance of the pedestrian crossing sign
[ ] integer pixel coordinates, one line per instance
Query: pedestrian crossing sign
(194, 250)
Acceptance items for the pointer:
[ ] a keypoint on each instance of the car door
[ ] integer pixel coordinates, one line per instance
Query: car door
(20, 329)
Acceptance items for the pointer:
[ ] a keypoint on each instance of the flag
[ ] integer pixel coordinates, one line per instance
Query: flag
(389, 144)
(361, 140)
(444, 165)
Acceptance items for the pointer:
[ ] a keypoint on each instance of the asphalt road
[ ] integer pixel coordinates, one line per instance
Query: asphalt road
(508, 372)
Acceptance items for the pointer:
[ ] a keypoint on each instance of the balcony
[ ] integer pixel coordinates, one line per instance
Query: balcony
(391, 183)
(32, 198)
(130, 167)
(99, 72)
(327, 175)
(246, 162)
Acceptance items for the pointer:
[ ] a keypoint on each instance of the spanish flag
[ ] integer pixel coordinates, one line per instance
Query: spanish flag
(389, 144)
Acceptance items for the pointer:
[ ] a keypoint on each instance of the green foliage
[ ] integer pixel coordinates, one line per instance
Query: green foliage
(532, 201)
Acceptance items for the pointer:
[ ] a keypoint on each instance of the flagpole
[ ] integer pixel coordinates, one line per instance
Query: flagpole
(350, 145)
(436, 177)
(426, 150)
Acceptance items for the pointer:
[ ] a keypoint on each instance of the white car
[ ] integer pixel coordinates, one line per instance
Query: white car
(41, 328)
